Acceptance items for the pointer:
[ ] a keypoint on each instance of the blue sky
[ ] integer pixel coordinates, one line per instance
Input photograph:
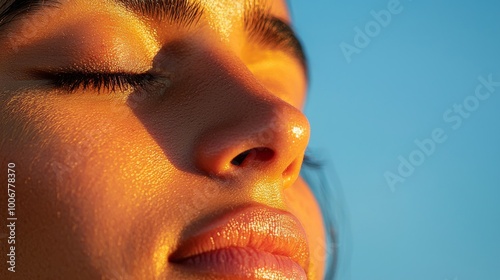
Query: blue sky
(413, 74)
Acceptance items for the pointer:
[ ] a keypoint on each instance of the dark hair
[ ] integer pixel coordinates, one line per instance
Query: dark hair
(313, 171)
(331, 204)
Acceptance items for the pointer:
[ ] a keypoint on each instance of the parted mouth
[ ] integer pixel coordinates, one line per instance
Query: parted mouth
(252, 242)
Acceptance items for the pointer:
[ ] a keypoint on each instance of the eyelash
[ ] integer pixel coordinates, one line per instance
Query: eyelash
(108, 82)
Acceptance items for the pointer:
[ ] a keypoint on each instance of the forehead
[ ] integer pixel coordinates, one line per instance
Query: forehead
(227, 9)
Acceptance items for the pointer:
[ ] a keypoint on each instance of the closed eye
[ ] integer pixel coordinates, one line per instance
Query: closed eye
(71, 81)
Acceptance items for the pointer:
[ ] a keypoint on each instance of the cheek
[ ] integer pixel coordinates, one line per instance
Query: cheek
(301, 203)
(86, 184)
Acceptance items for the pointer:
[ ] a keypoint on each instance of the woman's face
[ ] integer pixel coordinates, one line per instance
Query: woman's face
(158, 141)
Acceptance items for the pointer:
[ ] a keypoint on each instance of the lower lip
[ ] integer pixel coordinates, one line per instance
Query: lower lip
(243, 263)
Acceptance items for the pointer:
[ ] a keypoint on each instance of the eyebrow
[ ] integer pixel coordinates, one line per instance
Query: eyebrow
(265, 29)
(180, 12)
(12, 9)
(261, 26)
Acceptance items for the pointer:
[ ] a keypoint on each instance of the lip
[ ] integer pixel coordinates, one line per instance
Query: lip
(252, 242)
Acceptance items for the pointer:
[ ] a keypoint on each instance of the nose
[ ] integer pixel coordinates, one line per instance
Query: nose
(251, 130)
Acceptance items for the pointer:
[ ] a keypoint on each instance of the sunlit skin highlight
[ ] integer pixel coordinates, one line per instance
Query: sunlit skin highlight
(108, 182)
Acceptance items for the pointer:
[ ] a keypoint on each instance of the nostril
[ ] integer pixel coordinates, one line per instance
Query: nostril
(239, 159)
(255, 154)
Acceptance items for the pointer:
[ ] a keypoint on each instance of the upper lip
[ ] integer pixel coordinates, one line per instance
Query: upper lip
(258, 227)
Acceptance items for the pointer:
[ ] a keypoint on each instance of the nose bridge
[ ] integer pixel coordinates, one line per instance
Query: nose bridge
(248, 129)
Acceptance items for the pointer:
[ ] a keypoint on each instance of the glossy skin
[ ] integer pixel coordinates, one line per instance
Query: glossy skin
(106, 183)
